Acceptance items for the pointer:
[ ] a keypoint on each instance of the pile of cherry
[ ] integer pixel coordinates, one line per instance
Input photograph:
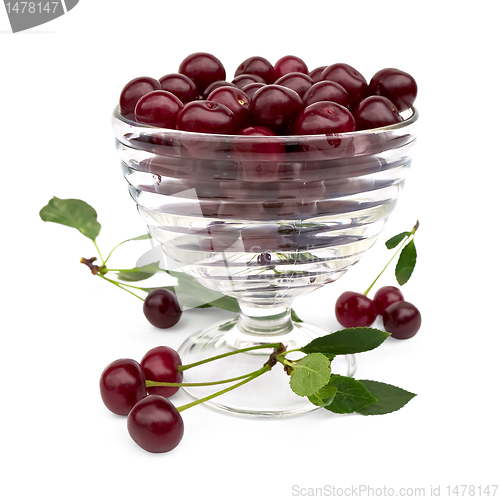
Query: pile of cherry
(264, 99)
(153, 422)
(401, 318)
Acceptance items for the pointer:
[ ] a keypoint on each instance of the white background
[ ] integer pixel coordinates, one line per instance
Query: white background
(61, 326)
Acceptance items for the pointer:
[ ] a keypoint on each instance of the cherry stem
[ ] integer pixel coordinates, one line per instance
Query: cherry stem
(256, 374)
(99, 252)
(387, 265)
(94, 268)
(152, 383)
(291, 350)
(285, 361)
(120, 244)
(181, 368)
(109, 255)
(401, 245)
(119, 285)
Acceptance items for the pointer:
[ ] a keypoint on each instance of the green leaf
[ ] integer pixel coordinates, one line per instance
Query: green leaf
(140, 273)
(310, 374)
(396, 240)
(190, 293)
(72, 213)
(153, 288)
(138, 238)
(351, 396)
(295, 317)
(201, 306)
(406, 263)
(390, 398)
(324, 396)
(172, 289)
(347, 341)
(225, 302)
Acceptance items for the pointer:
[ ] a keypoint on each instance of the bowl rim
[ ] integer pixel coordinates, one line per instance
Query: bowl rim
(218, 137)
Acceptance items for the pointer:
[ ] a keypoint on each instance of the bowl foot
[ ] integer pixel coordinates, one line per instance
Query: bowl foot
(266, 396)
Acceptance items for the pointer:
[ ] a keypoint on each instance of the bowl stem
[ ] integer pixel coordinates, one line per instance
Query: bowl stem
(265, 321)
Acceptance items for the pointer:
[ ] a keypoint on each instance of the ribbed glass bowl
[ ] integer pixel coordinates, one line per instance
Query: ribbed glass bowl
(263, 220)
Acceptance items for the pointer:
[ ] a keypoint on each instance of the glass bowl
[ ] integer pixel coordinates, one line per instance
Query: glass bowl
(263, 220)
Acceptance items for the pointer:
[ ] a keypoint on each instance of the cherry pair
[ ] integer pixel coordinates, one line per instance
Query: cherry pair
(401, 318)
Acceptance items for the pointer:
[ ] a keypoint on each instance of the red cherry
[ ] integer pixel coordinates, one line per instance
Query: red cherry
(324, 117)
(235, 99)
(158, 109)
(161, 365)
(257, 66)
(162, 308)
(251, 88)
(316, 73)
(399, 87)
(259, 159)
(326, 91)
(351, 79)
(203, 69)
(241, 80)
(299, 82)
(216, 85)
(355, 309)
(207, 117)
(122, 385)
(402, 320)
(155, 424)
(386, 296)
(289, 64)
(134, 90)
(180, 85)
(275, 107)
(376, 111)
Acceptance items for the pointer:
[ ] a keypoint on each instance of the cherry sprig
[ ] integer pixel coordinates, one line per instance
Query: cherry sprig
(401, 318)
(310, 376)
(407, 258)
(187, 293)
(163, 305)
